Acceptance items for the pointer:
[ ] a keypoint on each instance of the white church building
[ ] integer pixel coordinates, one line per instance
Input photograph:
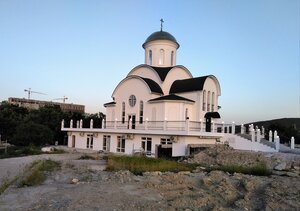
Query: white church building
(161, 109)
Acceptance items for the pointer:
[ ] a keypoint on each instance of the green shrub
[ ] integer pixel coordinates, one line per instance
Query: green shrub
(138, 165)
(259, 169)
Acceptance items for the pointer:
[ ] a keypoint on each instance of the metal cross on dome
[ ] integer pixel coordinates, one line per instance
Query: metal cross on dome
(161, 24)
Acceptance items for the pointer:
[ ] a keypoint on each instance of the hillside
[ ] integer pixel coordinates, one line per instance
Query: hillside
(286, 122)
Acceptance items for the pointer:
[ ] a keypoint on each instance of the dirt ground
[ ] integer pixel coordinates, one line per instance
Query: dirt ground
(101, 190)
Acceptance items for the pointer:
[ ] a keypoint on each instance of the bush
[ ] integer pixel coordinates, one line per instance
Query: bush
(259, 169)
(17, 151)
(138, 165)
(36, 174)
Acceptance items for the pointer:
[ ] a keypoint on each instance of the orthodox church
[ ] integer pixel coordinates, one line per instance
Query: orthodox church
(158, 108)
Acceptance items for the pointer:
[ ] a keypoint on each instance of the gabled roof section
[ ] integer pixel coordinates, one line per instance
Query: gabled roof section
(192, 84)
(161, 72)
(171, 97)
(154, 87)
(110, 104)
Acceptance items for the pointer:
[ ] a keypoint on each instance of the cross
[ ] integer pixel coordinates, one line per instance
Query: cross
(161, 24)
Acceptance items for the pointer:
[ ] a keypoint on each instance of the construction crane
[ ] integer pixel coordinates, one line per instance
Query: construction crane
(62, 98)
(30, 91)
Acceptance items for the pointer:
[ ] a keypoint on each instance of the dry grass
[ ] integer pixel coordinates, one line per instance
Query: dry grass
(138, 165)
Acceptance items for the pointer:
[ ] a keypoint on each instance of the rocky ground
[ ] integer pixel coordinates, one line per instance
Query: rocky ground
(83, 185)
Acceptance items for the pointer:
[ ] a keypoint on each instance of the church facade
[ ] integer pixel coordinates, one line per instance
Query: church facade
(158, 108)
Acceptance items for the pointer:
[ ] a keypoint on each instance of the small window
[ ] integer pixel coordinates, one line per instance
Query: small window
(121, 144)
(161, 57)
(150, 57)
(141, 112)
(165, 141)
(208, 101)
(204, 100)
(213, 102)
(123, 112)
(132, 100)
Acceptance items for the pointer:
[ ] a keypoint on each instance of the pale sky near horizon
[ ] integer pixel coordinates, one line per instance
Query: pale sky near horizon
(83, 49)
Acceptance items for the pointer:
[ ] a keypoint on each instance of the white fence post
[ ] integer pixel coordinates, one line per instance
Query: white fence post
(233, 128)
(80, 123)
(91, 123)
(292, 142)
(277, 143)
(223, 127)
(165, 124)
(103, 123)
(258, 136)
(115, 123)
(275, 134)
(62, 126)
(77, 124)
(71, 123)
(252, 135)
(242, 129)
(146, 124)
(270, 135)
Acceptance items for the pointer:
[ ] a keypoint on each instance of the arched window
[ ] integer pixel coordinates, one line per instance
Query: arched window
(123, 112)
(150, 57)
(208, 101)
(172, 58)
(204, 100)
(161, 56)
(213, 101)
(141, 112)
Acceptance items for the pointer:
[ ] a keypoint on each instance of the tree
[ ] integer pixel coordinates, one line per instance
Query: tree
(32, 133)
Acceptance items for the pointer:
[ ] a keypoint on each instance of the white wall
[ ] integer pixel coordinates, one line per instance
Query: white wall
(156, 46)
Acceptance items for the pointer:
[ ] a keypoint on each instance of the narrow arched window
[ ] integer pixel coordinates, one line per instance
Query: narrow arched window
(172, 58)
(141, 112)
(150, 57)
(208, 101)
(204, 100)
(213, 101)
(123, 112)
(161, 56)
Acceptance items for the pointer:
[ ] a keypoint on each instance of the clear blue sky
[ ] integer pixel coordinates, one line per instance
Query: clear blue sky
(83, 49)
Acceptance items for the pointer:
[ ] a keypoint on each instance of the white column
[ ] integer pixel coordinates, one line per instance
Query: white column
(71, 123)
(115, 124)
(223, 127)
(233, 128)
(275, 134)
(258, 136)
(242, 129)
(252, 135)
(77, 124)
(277, 143)
(146, 124)
(201, 126)
(187, 124)
(62, 126)
(213, 126)
(80, 125)
(91, 123)
(103, 123)
(292, 142)
(270, 135)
